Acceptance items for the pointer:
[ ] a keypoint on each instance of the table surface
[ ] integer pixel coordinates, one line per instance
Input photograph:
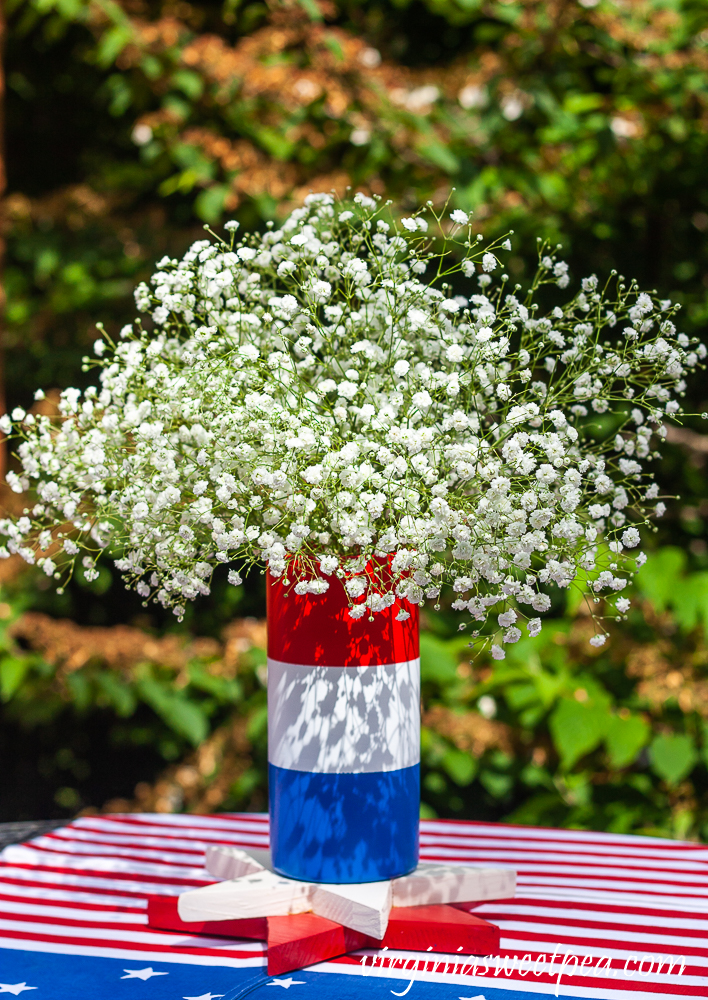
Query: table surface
(13, 833)
(589, 908)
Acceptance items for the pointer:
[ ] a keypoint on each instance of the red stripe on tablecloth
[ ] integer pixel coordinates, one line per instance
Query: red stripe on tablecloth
(6, 899)
(80, 942)
(609, 925)
(125, 876)
(89, 840)
(109, 851)
(83, 886)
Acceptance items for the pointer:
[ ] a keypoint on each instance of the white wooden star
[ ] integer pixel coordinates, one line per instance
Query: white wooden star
(286, 983)
(142, 973)
(15, 988)
(251, 889)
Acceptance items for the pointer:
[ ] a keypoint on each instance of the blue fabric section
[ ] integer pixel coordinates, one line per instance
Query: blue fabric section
(333, 986)
(344, 827)
(75, 977)
(78, 977)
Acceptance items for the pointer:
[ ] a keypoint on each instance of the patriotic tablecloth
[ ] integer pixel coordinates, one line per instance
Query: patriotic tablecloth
(596, 915)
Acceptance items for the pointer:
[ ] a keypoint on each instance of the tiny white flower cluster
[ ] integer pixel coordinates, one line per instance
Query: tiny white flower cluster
(332, 396)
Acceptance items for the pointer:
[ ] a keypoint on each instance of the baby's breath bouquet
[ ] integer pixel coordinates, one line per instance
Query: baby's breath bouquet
(353, 398)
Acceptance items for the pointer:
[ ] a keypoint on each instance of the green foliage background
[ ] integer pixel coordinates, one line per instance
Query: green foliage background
(131, 123)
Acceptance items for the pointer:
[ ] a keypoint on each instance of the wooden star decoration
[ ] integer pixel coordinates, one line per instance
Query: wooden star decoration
(303, 923)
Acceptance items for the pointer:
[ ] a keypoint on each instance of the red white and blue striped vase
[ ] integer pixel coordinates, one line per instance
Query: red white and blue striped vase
(343, 738)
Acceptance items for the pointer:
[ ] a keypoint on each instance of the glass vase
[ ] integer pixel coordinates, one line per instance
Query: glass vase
(343, 737)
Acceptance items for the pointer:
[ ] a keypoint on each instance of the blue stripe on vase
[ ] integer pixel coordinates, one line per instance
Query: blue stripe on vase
(344, 827)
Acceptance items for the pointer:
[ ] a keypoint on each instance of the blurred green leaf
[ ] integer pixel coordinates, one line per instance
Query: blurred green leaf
(577, 728)
(624, 738)
(209, 204)
(438, 660)
(184, 717)
(689, 601)
(311, 9)
(80, 687)
(117, 692)
(188, 82)
(460, 766)
(660, 575)
(498, 785)
(258, 724)
(673, 756)
(112, 43)
(13, 670)
(224, 688)
(439, 155)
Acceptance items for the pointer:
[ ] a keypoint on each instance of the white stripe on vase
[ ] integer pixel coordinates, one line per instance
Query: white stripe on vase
(344, 720)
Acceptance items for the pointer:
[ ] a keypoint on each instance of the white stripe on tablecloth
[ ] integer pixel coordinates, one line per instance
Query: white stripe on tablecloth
(9, 909)
(138, 935)
(182, 859)
(70, 897)
(94, 951)
(22, 855)
(82, 881)
(507, 911)
(154, 824)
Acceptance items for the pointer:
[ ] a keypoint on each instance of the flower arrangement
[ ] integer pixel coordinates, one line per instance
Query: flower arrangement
(350, 396)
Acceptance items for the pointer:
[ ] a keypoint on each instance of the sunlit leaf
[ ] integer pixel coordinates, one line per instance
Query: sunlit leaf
(13, 671)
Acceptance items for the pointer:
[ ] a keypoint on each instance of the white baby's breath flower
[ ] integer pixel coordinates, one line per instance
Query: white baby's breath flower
(328, 564)
(309, 399)
(631, 538)
(487, 706)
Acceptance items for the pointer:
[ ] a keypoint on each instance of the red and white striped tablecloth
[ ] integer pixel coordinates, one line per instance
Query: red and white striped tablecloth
(612, 915)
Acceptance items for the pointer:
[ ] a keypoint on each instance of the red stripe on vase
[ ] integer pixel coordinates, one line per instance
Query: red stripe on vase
(317, 630)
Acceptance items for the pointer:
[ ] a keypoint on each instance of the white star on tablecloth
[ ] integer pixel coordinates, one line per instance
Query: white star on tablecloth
(142, 973)
(205, 996)
(15, 988)
(286, 983)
